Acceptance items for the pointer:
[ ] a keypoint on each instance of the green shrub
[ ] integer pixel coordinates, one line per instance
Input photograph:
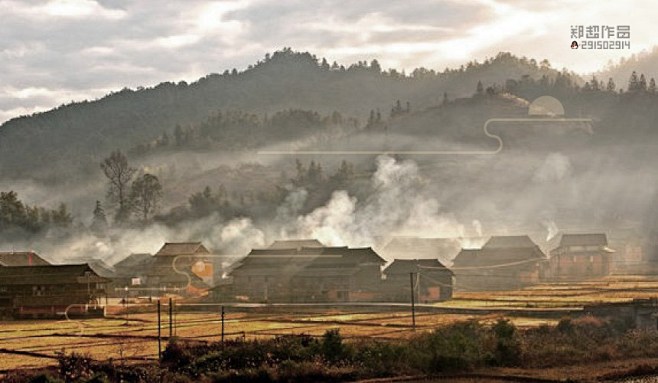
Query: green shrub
(565, 326)
(333, 349)
(380, 358)
(74, 366)
(508, 345)
(458, 347)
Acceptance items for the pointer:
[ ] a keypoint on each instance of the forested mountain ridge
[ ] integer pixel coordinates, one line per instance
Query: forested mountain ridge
(70, 140)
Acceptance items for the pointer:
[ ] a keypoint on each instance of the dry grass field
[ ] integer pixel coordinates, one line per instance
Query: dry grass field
(133, 336)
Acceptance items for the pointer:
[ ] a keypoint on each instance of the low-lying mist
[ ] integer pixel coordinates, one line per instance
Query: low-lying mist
(538, 191)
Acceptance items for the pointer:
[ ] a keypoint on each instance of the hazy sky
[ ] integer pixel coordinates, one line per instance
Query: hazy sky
(52, 52)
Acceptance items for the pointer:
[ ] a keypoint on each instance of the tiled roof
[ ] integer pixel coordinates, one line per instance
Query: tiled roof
(406, 266)
(295, 244)
(182, 248)
(101, 268)
(584, 240)
(444, 249)
(23, 258)
(497, 257)
(135, 260)
(509, 241)
(48, 275)
(290, 261)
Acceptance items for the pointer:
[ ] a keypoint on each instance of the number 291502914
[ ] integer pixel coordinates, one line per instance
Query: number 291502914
(605, 44)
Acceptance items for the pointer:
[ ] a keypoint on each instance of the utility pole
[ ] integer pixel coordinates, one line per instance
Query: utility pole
(171, 319)
(222, 324)
(159, 333)
(413, 304)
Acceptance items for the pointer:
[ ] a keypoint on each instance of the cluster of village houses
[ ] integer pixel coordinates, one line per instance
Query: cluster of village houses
(301, 271)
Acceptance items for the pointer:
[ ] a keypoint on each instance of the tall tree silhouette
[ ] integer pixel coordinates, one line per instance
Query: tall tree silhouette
(145, 195)
(119, 174)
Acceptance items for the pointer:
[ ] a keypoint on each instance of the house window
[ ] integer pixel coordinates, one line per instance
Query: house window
(3, 289)
(38, 291)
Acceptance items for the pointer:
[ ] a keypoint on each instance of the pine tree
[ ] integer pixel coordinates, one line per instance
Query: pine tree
(445, 98)
(374, 65)
(61, 217)
(642, 85)
(344, 173)
(99, 221)
(633, 82)
(203, 203)
(611, 85)
(324, 65)
(479, 89)
(397, 109)
(594, 84)
(652, 86)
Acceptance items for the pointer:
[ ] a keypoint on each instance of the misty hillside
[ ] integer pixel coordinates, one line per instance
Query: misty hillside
(644, 63)
(73, 138)
(205, 141)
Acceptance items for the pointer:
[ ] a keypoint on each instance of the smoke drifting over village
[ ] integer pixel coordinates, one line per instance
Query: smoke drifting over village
(217, 188)
(400, 205)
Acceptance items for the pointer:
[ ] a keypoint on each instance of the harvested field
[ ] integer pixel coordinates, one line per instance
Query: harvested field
(133, 335)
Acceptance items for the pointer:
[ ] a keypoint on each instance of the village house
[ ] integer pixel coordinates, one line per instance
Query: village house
(432, 281)
(130, 276)
(306, 274)
(22, 258)
(180, 268)
(632, 252)
(51, 291)
(99, 266)
(442, 249)
(580, 256)
(503, 263)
